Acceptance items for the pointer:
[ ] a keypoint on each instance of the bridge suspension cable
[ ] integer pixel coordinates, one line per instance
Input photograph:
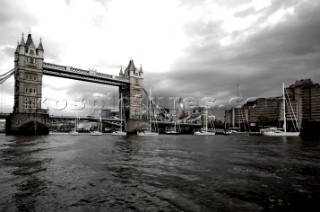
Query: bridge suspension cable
(2, 75)
(152, 102)
(5, 76)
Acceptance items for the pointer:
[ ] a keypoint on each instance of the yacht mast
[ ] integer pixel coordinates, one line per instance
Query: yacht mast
(206, 115)
(174, 112)
(150, 108)
(284, 109)
(121, 112)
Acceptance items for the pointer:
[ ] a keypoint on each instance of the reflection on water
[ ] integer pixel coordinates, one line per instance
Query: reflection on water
(20, 179)
(168, 173)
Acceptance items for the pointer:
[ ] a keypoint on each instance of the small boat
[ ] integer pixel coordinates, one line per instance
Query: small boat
(120, 132)
(203, 132)
(227, 132)
(147, 133)
(284, 132)
(281, 133)
(99, 131)
(76, 120)
(96, 133)
(255, 133)
(172, 132)
(73, 132)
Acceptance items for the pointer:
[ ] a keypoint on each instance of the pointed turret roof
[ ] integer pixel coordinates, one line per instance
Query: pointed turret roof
(22, 40)
(17, 49)
(29, 41)
(121, 72)
(131, 66)
(40, 47)
(141, 71)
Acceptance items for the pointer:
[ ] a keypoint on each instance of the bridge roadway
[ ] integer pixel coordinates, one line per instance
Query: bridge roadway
(83, 75)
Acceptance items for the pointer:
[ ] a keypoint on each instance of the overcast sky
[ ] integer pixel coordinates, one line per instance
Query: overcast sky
(187, 48)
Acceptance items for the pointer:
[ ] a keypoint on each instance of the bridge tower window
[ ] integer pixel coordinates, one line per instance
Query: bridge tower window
(31, 60)
(26, 103)
(34, 104)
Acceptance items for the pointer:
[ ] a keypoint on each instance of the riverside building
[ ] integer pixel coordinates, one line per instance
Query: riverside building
(304, 96)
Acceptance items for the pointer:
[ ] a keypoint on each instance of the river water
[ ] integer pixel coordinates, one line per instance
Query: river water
(165, 173)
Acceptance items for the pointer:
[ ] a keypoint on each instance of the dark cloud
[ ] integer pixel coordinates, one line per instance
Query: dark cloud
(297, 36)
(285, 52)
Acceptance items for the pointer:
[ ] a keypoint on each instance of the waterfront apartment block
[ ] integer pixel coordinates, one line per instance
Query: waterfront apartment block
(303, 105)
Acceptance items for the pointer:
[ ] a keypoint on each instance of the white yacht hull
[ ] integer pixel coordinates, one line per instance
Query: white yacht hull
(203, 133)
(96, 133)
(148, 133)
(119, 133)
(279, 133)
(172, 132)
(74, 133)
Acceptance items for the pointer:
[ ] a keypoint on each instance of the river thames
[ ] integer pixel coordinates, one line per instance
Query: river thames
(165, 173)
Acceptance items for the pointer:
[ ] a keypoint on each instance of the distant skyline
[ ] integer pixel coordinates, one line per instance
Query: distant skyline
(190, 48)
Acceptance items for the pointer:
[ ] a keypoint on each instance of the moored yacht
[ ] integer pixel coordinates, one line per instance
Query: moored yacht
(205, 130)
(284, 132)
(120, 132)
(95, 133)
(147, 133)
(73, 132)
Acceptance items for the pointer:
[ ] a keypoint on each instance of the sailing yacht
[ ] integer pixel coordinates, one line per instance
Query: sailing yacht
(205, 130)
(99, 131)
(284, 132)
(74, 131)
(174, 130)
(120, 132)
(148, 132)
(96, 133)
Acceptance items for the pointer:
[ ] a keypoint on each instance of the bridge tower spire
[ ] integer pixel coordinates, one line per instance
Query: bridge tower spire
(28, 65)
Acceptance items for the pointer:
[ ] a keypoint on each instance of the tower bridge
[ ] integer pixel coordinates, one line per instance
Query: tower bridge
(29, 67)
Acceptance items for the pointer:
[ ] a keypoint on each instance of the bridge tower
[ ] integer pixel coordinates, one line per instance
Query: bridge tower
(27, 116)
(132, 98)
